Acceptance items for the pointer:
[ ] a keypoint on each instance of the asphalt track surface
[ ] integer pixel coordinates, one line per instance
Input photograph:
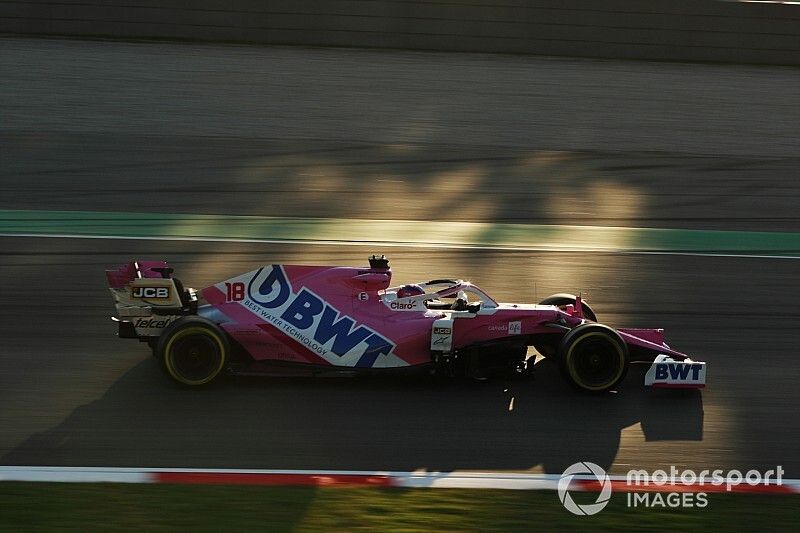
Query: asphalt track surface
(352, 134)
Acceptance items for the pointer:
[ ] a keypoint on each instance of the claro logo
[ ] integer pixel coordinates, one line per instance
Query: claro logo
(312, 321)
(401, 305)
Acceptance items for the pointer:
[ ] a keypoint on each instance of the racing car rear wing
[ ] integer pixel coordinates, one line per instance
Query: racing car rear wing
(124, 274)
(147, 298)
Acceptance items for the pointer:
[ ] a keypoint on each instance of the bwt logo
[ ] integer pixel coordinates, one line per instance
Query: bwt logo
(160, 293)
(304, 315)
(677, 371)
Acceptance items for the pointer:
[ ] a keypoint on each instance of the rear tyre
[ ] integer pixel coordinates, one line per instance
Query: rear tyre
(193, 351)
(593, 358)
(547, 345)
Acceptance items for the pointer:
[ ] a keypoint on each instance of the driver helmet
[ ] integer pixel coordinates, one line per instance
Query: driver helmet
(409, 290)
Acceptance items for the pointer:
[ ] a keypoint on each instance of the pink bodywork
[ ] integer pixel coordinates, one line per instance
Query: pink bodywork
(121, 277)
(264, 309)
(341, 288)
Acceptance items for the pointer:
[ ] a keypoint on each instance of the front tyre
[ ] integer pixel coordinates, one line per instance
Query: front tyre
(593, 358)
(193, 350)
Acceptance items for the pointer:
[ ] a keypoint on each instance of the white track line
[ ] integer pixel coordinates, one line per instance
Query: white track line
(422, 245)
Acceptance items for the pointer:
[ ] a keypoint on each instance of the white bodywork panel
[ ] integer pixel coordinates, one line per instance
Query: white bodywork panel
(667, 372)
(442, 335)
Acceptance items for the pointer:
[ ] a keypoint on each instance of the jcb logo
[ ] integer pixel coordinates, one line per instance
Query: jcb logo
(161, 293)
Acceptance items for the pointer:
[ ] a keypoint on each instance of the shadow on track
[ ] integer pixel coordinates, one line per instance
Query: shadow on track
(144, 420)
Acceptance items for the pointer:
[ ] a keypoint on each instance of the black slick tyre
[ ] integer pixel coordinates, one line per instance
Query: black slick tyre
(593, 358)
(193, 351)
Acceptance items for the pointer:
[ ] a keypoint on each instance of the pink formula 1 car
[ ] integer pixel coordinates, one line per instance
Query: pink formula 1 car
(320, 319)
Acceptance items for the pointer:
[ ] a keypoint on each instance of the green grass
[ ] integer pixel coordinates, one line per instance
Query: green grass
(119, 507)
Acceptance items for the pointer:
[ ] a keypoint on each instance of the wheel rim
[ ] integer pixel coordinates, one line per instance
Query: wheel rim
(596, 361)
(195, 358)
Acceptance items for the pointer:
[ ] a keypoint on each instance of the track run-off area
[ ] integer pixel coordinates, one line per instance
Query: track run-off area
(398, 233)
(665, 194)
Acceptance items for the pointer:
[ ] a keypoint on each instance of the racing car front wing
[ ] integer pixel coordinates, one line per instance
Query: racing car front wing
(666, 372)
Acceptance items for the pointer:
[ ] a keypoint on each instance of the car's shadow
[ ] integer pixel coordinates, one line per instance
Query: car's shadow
(144, 420)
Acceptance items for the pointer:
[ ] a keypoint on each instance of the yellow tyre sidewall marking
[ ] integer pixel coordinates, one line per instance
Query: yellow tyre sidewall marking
(571, 361)
(184, 333)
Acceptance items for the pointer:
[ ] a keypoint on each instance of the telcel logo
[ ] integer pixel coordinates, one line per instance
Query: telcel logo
(152, 323)
(161, 293)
